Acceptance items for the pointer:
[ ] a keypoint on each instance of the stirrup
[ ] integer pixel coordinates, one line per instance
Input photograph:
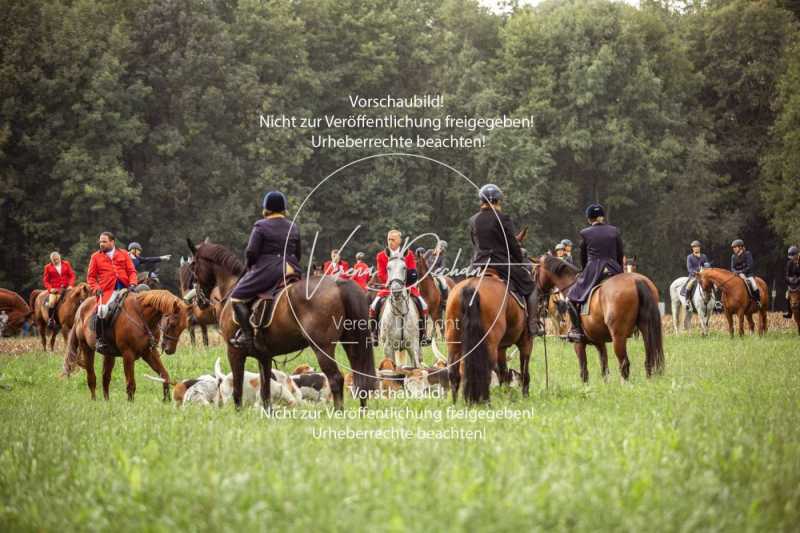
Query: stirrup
(239, 341)
(575, 336)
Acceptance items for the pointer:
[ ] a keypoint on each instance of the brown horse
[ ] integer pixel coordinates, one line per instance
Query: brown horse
(482, 320)
(621, 304)
(735, 298)
(318, 311)
(558, 320)
(199, 317)
(17, 309)
(429, 289)
(794, 305)
(68, 302)
(144, 318)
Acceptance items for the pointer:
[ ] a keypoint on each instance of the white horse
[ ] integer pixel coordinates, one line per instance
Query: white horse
(703, 303)
(398, 326)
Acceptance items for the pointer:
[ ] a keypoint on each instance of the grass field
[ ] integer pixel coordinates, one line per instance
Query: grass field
(714, 444)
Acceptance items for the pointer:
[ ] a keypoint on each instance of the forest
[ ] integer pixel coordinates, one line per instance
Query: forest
(142, 117)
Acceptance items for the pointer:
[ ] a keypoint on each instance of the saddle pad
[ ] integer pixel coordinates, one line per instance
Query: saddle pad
(264, 311)
(585, 305)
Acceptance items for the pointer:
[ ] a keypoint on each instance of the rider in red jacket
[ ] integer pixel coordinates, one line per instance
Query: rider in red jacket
(361, 271)
(337, 266)
(393, 241)
(58, 275)
(110, 269)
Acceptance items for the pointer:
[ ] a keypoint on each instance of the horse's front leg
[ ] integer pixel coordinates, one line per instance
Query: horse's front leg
(502, 367)
(525, 347)
(128, 359)
(236, 362)
(580, 351)
(265, 370)
(91, 377)
(729, 318)
(621, 350)
(153, 359)
(108, 367)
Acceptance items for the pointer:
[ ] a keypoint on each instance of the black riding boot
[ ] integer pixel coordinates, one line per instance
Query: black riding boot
(535, 328)
(99, 328)
(51, 323)
(424, 340)
(244, 338)
(757, 296)
(788, 313)
(575, 334)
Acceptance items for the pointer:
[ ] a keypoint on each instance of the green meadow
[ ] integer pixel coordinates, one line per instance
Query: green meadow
(713, 444)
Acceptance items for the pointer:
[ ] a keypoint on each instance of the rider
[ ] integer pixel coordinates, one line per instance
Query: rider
(792, 276)
(495, 245)
(337, 266)
(109, 270)
(266, 262)
(742, 265)
(695, 262)
(58, 275)
(568, 251)
(393, 242)
(601, 256)
(144, 263)
(435, 258)
(361, 272)
(560, 251)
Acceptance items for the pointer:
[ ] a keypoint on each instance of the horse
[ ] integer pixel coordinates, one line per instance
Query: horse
(703, 305)
(619, 305)
(68, 302)
(144, 318)
(481, 321)
(794, 305)
(317, 311)
(199, 317)
(17, 310)
(432, 294)
(556, 313)
(735, 298)
(398, 325)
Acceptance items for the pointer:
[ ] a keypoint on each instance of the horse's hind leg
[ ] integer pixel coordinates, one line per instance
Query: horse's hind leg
(751, 324)
(204, 331)
(108, 367)
(602, 351)
(729, 318)
(621, 350)
(265, 369)
(525, 348)
(154, 360)
(740, 316)
(53, 340)
(502, 367)
(325, 357)
(192, 338)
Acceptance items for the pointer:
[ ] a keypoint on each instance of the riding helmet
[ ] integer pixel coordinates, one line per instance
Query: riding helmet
(737, 242)
(274, 201)
(359, 256)
(134, 246)
(695, 243)
(594, 211)
(566, 242)
(490, 193)
(443, 244)
(420, 250)
(793, 251)
(560, 246)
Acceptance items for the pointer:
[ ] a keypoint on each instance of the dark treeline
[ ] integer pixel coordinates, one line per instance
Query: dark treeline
(141, 117)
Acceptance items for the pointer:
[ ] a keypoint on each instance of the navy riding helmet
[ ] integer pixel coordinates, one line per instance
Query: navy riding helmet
(274, 201)
(490, 193)
(594, 211)
(793, 251)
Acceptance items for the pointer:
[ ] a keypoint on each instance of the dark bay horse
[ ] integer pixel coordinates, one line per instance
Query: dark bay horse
(319, 312)
(794, 305)
(67, 306)
(17, 309)
(621, 304)
(429, 289)
(145, 317)
(199, 317)
(735, 298)
(482, 320)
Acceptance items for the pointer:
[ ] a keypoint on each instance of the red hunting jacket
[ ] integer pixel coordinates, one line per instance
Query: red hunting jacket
(361, 274)
(340, 269)
(104, 273)
(51, 279)
(382, 264)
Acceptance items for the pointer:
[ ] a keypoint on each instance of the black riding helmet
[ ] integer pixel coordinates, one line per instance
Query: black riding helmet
(793, 251)
(490, 193)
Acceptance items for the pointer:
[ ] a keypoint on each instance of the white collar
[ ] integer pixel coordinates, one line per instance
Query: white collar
(110, 253)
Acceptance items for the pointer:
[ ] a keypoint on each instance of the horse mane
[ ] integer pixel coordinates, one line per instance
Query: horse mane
(559, 267)
(161, 300)
(220, 255)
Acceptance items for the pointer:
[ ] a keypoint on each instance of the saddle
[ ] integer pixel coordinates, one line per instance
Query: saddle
(102, 322)
(750, 285)
(585, 304)
(441, 282)
(520, 299)
(263, 309)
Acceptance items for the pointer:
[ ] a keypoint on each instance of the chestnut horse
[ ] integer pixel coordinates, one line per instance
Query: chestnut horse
(482, 320)
(429, 289)
(735, 298)
(144, 318)
(64, 314)
(16, 308)
(621, 304)
(199, 317)
(794, 305)
(318, 311)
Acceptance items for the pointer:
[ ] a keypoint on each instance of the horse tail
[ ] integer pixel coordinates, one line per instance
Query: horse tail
(72, 357)
(477, 371)
(359, 345)
(649, 322)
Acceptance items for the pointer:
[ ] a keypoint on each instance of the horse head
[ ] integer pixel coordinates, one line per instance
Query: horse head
(396, 272)
(172, 325)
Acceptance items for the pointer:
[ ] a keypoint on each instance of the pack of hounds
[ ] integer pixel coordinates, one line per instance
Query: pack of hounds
(307, 386)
